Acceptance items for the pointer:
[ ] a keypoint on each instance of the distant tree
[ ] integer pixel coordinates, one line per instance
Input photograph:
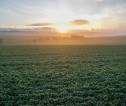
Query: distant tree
(1, 41)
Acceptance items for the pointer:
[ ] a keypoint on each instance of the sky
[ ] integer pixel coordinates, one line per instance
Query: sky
(103, 16)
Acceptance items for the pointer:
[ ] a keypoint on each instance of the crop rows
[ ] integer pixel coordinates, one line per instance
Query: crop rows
(63, 75)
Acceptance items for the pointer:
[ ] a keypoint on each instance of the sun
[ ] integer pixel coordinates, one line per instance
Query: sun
(62, 28)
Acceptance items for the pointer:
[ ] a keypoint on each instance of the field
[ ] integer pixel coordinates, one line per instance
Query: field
(63, 75)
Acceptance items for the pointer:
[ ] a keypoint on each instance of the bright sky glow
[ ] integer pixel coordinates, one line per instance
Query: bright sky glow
(81, 14)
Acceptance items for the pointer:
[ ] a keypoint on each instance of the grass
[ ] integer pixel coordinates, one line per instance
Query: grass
(63, 75)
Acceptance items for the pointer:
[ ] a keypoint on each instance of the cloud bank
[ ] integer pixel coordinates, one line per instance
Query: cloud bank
(78, 22)
(41, 24)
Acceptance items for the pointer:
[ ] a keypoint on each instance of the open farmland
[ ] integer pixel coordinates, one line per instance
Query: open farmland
(63, 75)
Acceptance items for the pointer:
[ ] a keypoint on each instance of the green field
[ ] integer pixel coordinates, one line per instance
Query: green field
(63, 75)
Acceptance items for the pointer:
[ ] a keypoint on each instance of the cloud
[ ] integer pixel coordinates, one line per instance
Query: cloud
(78, 22)
(28, 29)
(45, 29)
(41, 24)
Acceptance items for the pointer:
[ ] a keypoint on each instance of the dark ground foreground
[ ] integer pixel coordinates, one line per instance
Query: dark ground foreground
(63, 75)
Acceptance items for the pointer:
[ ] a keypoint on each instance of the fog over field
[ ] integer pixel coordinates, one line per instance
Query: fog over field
(46, 38)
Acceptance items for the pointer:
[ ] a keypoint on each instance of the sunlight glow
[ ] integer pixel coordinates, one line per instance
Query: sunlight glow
(62, 28)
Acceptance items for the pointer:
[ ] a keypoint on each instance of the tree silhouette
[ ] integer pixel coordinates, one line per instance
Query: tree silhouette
(1, 41)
